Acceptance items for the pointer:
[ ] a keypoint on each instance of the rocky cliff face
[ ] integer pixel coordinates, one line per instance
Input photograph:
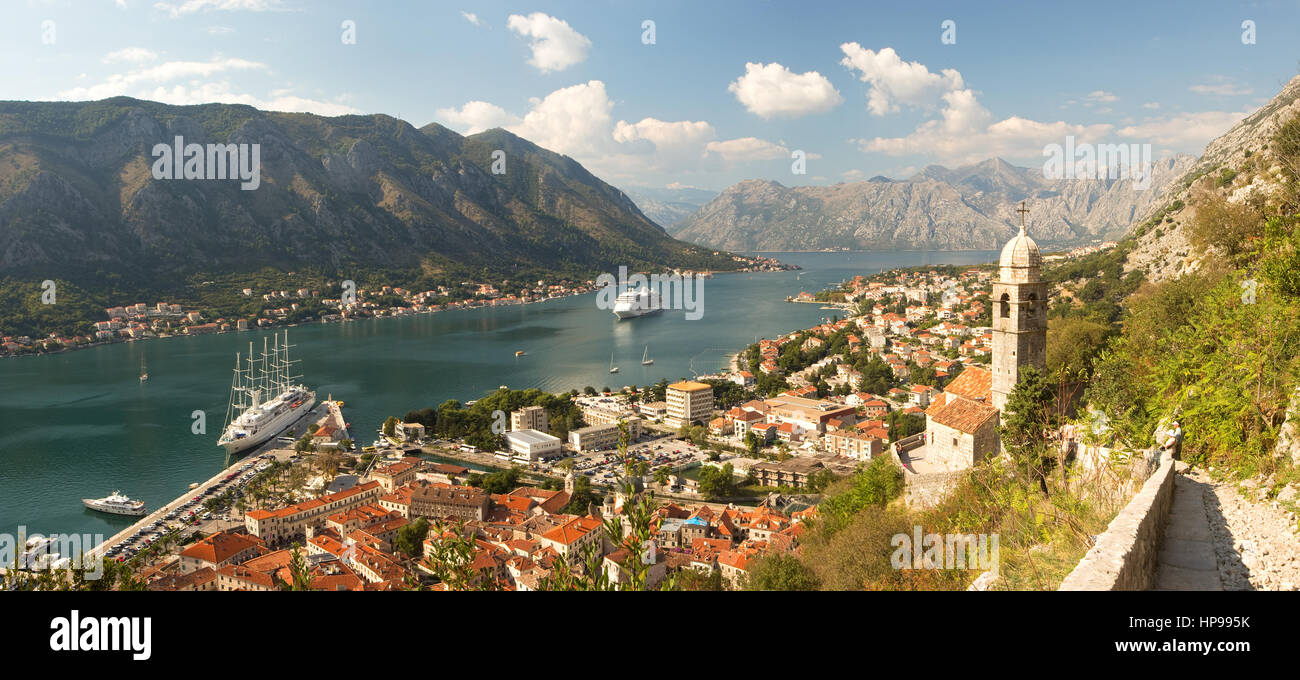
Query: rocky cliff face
(77, 195)
(971, 207)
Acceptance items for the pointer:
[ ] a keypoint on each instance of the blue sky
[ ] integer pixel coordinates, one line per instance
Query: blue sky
(728, 91)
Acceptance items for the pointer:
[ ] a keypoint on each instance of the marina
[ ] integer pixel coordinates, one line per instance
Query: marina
(154, 524)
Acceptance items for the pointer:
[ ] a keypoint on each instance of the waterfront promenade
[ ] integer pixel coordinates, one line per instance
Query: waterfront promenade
(251, 460)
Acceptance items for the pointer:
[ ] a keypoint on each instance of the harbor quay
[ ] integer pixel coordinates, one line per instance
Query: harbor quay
(233, 476)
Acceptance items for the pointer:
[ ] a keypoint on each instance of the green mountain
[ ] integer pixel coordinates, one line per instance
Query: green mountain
(340, 196)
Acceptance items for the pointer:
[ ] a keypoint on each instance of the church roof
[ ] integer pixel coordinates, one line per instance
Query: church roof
(974, 383)
(964, 415)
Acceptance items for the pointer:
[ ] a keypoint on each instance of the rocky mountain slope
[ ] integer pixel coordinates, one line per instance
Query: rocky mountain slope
(1236, 164)
(77, 197)
(970, 207)
(668, 207)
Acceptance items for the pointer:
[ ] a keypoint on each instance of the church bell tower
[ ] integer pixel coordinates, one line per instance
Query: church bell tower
(1019, 313)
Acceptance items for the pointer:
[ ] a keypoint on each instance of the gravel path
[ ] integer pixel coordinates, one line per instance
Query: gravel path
(1256, 543)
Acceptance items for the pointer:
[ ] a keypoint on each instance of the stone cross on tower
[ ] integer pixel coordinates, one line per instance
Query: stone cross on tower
(1023, 211)
(1019, 313)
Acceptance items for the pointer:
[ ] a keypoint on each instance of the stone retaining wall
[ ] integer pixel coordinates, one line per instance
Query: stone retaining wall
(1124, 557)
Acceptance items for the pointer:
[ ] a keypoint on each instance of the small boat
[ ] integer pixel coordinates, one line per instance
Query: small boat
(194, 485)
(519, 353)
(645, 357)
(144, 372)
(612, 367)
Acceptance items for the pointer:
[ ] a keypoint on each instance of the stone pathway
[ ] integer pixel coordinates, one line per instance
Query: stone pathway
(1186, 560)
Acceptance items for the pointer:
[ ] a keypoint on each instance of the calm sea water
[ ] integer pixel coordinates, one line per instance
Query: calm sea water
(80, 424)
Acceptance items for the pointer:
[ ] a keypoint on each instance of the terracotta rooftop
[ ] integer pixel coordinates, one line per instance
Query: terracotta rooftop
(965, 415)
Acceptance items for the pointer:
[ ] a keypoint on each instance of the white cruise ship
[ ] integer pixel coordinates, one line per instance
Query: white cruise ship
(264, 399)
(115, 504)
(634, 303)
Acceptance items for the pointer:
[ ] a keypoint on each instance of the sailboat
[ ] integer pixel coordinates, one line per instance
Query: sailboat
(144, 372)
(612, 367)
(645, 357)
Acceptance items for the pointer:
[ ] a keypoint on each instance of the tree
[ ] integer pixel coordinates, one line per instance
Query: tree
(390, 426)
(410, 538)
(779, 571)
(717, 482)
(451, 559)
(299, 571)
(1027, 418)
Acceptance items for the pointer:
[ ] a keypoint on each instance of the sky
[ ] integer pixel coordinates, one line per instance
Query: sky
(697, 93)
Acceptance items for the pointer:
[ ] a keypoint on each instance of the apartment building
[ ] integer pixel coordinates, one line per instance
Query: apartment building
(598, 437)
(529, 418)
(277, 527)
(689, 402)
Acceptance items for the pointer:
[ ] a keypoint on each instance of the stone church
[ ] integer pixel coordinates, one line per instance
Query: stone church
(961, 424)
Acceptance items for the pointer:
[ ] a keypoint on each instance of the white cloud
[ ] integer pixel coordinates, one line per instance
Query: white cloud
(131, 54)
(747, 149)
(573, 120)
(773, 91)
(219, 30)
(193, 6)
(966, 133)
(680, 138)
(471, 17)
(1151, 105)
(1221, 86)
(1101, 96)
(578, 121)
(894, 81)
(555, 45)
(159, 83)
(477, 116)
(122, 83)
(1183, 132)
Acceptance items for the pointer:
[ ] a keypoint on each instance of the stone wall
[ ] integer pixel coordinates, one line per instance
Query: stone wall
(1124, 557)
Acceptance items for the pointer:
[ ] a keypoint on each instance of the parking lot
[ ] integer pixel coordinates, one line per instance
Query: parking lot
(186, 515)
(657, 451)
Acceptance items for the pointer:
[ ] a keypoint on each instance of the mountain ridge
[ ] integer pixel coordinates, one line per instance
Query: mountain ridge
(965, 208)
(341, 193)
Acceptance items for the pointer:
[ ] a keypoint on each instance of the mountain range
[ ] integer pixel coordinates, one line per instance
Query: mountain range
(669, 206)
(78, 197)
(966, 208)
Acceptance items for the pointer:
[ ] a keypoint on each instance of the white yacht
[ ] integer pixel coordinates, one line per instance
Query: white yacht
(115, 504)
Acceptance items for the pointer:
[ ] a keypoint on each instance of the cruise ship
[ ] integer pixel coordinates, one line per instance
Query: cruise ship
(634, 303)
(264, 398)
(115, 504)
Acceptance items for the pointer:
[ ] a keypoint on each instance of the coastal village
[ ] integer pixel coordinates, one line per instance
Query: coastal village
(280, 308)
(906, 375)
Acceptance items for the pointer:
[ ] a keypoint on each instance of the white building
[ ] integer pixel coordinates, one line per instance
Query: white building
(531, 445)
